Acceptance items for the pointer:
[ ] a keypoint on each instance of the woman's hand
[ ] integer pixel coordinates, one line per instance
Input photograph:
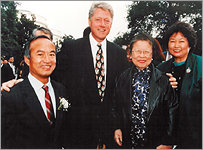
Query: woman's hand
(118, 136)
(6, 86)
(164, 147)
(172, 80)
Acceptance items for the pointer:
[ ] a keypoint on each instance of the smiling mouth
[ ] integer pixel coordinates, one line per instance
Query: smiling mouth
(142, 61)
(176, 51)
(46, 67)
(102, 30)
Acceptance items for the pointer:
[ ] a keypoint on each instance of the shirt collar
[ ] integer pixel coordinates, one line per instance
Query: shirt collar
(94, 42)
(36, 84)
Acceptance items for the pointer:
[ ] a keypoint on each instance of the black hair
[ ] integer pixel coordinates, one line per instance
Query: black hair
(144, 37)
(27, 45)
(186, 29)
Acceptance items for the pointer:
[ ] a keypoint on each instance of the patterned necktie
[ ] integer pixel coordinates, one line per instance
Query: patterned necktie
(99, 70)
(49, 108)
(139, 108)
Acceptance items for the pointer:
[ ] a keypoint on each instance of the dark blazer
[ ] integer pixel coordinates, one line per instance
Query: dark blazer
(162, 106)
(75, 70)
(6, 73)
(190, 113)
(23, 122)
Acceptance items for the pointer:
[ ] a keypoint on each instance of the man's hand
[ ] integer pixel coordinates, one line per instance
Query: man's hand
(9, 84)
(118, 136)
(172, 80)
(164, 147)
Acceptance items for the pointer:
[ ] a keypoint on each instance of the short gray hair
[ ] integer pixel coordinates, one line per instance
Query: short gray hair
(102, 5)
(43, 29)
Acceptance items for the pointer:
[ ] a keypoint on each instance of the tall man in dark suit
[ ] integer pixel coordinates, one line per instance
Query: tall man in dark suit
(30, 118)
(92, 96)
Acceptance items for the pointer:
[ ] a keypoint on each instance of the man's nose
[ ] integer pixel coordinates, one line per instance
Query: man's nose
(102, 23)
(46, 58)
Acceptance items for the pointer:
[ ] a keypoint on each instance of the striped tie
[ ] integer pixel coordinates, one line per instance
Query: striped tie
(49, 108)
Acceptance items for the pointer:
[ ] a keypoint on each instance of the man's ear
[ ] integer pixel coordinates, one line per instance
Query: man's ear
(89, 22)
(27, 60)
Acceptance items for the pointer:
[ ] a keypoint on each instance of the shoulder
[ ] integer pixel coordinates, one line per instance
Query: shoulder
(159, 76)
(80, 41)
(6, 66)
(195, 61)
(197, 58)
(69, 44)
(165, 66)
(15, 92)
(118, 53)
(125, 75)
(114, 46)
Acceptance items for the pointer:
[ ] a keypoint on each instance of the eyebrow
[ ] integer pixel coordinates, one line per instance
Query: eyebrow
(40, 50)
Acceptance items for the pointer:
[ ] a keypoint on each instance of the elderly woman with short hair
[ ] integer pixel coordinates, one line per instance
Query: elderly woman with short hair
(144, 103)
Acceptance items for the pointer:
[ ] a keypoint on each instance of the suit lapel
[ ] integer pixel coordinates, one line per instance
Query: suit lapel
(57, 92)
(89, 70)
(33, 103)
(109, 59)
(59, 113)
(87, 55)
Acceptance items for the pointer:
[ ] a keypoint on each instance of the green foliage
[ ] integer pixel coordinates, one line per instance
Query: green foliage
(25, 27)
(154, 17)
(14, 31)
(61, 41)
(9, 27)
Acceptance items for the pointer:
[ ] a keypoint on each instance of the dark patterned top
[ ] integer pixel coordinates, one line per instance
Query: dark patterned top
(140, 88)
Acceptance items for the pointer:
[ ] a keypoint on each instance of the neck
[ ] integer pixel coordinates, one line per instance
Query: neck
(44, 80)
(97, 39)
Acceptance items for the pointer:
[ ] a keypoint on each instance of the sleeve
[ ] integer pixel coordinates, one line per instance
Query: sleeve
(172, 105)
(116, 107)
(8, 120)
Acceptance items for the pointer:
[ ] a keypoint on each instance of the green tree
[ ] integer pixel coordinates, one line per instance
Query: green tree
(14, 31)
(62, 40)
(154, 17)
(9, 44)
(25, 27)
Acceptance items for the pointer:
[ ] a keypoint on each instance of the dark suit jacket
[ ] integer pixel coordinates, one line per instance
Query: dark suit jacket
(76, 71)
(23, 122)
(6, 73)
(161, 111)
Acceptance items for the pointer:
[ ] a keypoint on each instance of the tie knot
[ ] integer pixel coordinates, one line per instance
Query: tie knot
(45, 87)
(99, 45)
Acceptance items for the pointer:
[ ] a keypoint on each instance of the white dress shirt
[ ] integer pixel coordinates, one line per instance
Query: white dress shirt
(95, 48)
(37, 85)
(13, 69)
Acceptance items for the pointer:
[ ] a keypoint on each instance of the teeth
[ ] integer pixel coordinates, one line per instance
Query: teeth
(101, 30)
(177, 50)
(47, 67)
